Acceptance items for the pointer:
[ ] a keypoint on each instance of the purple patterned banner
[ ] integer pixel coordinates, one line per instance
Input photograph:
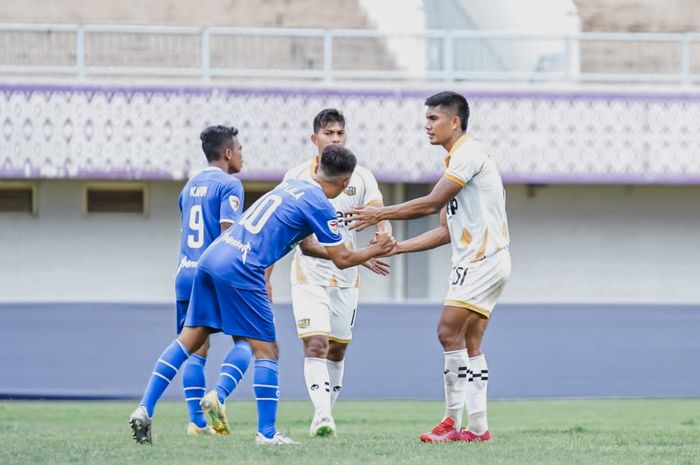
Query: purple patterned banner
(549, 137)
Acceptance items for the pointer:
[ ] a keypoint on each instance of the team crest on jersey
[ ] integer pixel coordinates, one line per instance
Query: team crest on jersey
(350, 190)
(304, 323)
(333, 226)
(234, 201)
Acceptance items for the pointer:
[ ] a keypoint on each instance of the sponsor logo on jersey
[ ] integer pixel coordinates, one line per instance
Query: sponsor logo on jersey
(350, 190)
(341, 217)
(234, 202)
(304, 323)
(186, 263)
(236, 244)
(333, 226)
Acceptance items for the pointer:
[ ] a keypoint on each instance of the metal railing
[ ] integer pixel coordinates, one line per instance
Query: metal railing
(216, 52)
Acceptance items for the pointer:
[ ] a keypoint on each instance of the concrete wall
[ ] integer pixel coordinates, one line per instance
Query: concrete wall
(572, 244)
(64, 254)
(591, 244)
(605, 244)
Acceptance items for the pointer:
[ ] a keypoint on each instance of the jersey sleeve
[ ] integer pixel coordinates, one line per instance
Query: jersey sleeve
(373, 196)
(232, 197)
(323, 222)
(463, 166)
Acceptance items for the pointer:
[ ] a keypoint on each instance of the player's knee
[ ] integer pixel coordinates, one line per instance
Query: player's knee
(316, 346)
(336, 351)
(192, 338)
(272, 352)
(204, 350)
(450, 338)
(264, 349)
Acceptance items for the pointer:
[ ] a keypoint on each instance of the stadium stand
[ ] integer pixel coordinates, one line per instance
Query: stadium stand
(333, 14)
(639, 16)
(110, 49)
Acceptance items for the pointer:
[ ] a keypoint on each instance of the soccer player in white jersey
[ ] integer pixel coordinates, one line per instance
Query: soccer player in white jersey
(324, 297)
(471, 201)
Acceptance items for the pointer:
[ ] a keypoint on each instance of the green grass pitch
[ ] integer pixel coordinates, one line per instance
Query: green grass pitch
(645, 431)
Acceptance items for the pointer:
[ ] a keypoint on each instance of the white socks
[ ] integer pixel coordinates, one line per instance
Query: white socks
(455, 378)
(324, 380)
(318, 385)
(476, 394)
(335, 375)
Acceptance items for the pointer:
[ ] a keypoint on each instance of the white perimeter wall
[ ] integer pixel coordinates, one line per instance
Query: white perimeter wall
(570, 244)
(599, 244)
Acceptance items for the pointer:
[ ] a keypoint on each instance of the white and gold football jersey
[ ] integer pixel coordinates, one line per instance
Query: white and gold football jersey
(362, 190)
(476, 216)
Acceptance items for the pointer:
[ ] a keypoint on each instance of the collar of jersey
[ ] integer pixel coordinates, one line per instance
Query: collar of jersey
(212, 168)
(457, 145)
(313, 165)
(313, 181)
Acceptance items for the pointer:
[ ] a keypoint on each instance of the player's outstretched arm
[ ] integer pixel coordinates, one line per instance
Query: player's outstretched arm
(426, 241)
(345, 258)
(444, 190)
(312, 248)
(376, 265)
(384, 225)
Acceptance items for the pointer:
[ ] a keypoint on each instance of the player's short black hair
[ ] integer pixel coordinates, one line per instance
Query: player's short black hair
(213, 139)
(454, 101)
(326, 117)
(336, 160)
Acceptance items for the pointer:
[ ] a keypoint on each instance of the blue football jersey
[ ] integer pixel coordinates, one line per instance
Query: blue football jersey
(209, 198)
(268, 230)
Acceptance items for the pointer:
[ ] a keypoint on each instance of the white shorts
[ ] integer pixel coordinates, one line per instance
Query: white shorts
(478, 286)
(327, 311)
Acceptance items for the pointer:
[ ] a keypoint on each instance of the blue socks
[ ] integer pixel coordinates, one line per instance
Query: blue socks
(265, 382)
(233, 368)
(165, 370)
(266, 388)
(194, 383)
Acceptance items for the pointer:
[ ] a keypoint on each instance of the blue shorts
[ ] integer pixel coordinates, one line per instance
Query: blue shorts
(216, 304)
(181, 314)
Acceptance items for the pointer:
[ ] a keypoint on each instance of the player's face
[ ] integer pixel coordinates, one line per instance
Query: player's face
(440, 124)
(332, 134)
(234, 152)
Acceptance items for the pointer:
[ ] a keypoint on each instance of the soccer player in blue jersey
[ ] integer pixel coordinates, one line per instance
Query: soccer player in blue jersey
(229, 293)
(210, 203)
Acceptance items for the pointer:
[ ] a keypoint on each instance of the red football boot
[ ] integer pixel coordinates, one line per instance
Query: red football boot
(468, 436)
(444, 432)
